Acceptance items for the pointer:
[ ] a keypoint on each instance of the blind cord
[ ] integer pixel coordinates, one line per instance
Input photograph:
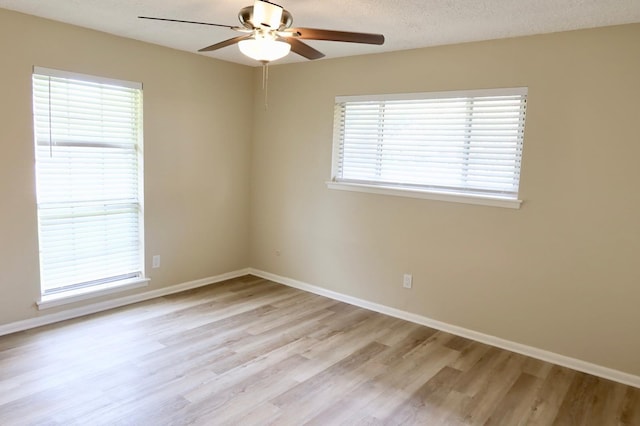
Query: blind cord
(50, 137)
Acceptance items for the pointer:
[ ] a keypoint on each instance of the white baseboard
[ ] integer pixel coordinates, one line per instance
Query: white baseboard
(115, 303)
(554, 358)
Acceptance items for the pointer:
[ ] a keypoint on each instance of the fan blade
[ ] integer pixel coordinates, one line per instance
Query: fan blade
(225, 43)
(330, 35)
(187, 22)
(303, 49)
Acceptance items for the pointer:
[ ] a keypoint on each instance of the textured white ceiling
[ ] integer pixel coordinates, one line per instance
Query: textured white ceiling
(406, 24)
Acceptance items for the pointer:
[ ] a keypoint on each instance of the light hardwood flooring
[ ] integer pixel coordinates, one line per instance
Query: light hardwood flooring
(252, 352)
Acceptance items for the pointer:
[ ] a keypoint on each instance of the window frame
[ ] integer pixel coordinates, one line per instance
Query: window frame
(93, 288)
(414, 190)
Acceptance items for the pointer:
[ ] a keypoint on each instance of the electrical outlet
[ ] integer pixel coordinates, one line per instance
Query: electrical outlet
(407, 281)
(156, 261)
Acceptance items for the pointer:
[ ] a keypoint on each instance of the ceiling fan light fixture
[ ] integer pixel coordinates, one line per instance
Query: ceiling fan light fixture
(269, 35)
(264, 49)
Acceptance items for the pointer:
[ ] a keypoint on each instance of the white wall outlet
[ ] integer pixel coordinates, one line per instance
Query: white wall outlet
(407, 281)
(156, 261)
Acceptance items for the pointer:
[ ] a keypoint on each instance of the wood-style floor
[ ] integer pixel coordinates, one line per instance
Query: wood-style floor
(252, 352)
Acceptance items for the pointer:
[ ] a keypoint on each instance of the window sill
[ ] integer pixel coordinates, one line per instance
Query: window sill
(438, 196)
(77, 295)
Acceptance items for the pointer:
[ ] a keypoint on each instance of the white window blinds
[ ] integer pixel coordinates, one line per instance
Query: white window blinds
(88, 134)
(454, 142)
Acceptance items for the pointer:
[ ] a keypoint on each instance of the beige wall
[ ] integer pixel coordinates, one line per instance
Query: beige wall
(559, 274)
(197, 115)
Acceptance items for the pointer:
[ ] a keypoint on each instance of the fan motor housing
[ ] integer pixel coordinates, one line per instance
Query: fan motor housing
(245, 16)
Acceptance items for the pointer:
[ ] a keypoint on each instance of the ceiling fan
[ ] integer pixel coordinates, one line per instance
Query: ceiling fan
(268, 34)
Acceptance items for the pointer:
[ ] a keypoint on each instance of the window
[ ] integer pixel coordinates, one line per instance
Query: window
(458, 146)
(88, 136)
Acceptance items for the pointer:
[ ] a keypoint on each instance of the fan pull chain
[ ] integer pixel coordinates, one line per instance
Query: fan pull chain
(265, 83)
